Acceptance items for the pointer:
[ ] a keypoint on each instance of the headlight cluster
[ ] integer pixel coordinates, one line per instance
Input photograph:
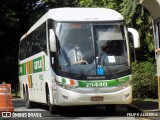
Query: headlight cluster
(66, 86)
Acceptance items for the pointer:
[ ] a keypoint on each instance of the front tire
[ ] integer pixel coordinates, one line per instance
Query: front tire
(28, 103)
(52, 108)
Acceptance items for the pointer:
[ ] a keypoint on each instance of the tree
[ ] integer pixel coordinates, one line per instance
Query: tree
(7, 25)
(16, 17)
(128, 8)
(113, 4)
(61, 3)
(138, 17)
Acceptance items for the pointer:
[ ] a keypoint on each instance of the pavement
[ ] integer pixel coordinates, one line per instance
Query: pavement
(140, 105)
(144, 109)
(149, 108)
(146, 105)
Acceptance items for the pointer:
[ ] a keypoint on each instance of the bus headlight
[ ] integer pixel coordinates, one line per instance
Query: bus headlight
(66, 86)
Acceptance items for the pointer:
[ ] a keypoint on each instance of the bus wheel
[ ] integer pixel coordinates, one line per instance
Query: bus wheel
(24, 94)
(110, 109)
(28, 103)
(52, 108)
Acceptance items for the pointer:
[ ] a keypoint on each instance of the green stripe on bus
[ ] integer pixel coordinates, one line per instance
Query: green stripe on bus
(99, 83)
(103, 83)
(22, 69)
(31, 82)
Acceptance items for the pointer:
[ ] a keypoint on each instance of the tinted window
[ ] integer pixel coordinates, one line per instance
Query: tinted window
(23, 49)
(34, 43)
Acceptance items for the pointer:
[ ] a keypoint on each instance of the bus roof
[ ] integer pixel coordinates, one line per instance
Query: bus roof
(84, 14)
(153, 6)
(77, 14)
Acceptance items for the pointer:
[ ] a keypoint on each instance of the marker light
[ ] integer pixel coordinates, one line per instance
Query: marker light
(72, 82)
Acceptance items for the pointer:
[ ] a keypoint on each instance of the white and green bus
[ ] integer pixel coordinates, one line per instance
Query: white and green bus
(154, 8)
(77, 56)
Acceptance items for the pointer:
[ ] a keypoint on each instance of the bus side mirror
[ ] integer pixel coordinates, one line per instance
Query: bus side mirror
(52, 39)
(135, 35)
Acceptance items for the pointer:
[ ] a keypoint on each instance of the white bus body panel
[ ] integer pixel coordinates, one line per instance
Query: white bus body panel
(85, 99)
(36, 82)
(82, 95)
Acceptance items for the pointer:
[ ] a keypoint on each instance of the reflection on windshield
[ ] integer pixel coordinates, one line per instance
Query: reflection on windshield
(108, 32)
(80, 52)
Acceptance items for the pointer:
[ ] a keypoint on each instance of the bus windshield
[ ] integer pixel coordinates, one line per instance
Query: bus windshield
(91, 48)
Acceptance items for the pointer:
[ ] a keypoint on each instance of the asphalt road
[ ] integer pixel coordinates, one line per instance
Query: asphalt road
(73, 113)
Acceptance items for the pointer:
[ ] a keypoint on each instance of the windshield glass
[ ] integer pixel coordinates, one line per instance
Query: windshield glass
(111, 48)
(91, 49)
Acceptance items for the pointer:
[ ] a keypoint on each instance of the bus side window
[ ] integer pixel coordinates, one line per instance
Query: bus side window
(28, 46)
(22, 50)
(39, 42)
(43, 40)
(35, 41)
(35, 48)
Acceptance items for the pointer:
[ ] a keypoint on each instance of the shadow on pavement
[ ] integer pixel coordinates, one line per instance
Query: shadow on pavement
(94, 111)
(146, 105)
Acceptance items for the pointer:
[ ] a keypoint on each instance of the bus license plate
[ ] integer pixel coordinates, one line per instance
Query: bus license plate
(97, 98)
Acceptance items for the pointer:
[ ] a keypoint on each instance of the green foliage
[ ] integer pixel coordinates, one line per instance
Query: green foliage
(16, 17)
(7, 17)
(113, 4)
(91, 3)
(61, 3)
(144, 24)
(128, 8)
(144, 80)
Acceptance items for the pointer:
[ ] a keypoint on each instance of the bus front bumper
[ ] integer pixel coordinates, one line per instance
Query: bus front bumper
(68, 97)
